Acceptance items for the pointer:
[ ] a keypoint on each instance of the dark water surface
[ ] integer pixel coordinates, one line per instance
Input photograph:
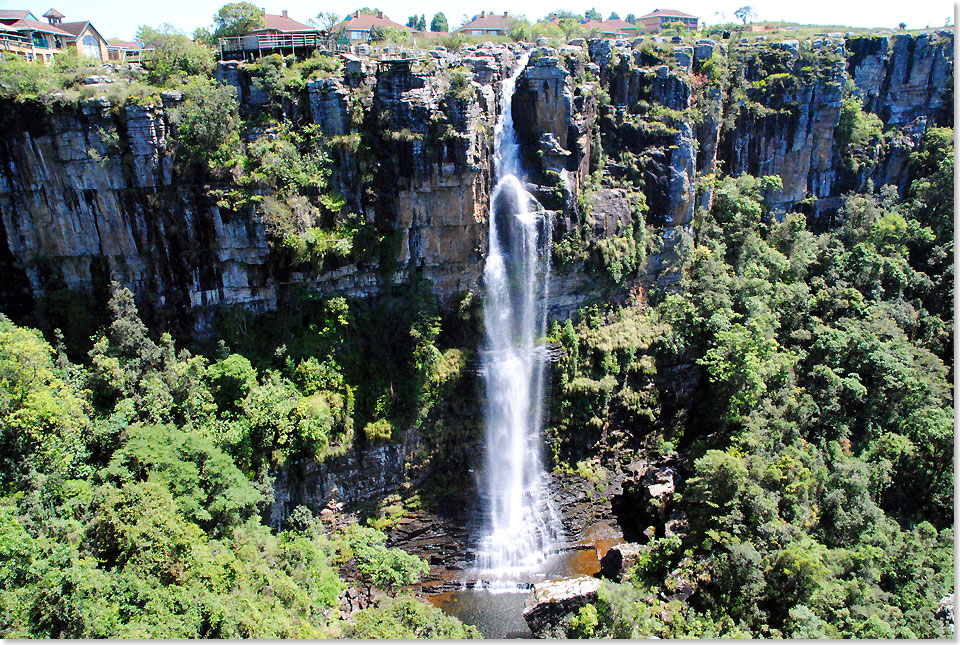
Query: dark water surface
(498, 613)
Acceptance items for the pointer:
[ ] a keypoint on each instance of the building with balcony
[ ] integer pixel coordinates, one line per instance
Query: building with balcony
(21, 34)
(280, 34)
(24, 36)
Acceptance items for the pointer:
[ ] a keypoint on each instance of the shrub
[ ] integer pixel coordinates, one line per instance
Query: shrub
(174, 58)
(208, 121)
(405, 617)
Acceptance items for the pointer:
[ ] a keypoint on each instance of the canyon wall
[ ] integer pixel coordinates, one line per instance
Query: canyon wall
(94, 193)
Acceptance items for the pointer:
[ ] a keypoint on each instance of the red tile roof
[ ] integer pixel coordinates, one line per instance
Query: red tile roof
(284, 23)
(35, 25)
(125, 44)
(670, 13)
(490, 21)
(619, 25)
(13, 14)
(74, 27)
(365, 21)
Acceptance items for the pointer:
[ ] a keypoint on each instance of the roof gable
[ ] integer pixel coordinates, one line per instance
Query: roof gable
(283, 23)
(80, 27)
(666, 13)
(366, 21)
(75, 28)
(26, 24)
(16, 14)
(490, 21)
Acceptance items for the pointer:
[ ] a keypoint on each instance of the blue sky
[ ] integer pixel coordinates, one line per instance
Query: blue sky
(120, 20)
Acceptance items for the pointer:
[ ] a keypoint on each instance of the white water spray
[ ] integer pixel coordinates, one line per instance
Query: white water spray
(521, 523)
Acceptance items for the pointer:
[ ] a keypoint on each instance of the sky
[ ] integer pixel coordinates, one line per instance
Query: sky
(120, 20)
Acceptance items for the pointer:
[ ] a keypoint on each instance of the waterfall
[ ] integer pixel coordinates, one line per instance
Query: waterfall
(521, 523)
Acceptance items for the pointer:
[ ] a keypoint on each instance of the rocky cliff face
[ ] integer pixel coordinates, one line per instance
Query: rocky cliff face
(92, 194)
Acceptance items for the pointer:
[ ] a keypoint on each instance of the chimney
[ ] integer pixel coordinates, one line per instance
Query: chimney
(483, 14)
(284, 12)
(380, 15)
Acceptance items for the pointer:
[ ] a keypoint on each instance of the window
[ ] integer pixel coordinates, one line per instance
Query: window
(91, 47)
(58, 42)
(39, 40)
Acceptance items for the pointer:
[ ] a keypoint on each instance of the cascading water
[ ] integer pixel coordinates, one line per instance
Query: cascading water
(521, 523)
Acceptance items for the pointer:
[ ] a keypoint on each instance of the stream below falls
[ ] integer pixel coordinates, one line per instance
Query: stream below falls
(497, 610)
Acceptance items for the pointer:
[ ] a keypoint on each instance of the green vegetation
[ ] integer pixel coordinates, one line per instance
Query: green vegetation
(407, 618)
(237, 18)
(132, 489)
(820, 495)
(859, 136)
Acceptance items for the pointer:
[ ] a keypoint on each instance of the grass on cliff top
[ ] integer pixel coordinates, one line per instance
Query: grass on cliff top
(792, 31)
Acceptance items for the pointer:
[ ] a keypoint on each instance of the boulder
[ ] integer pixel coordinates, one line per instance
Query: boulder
(554, 155)
(703, 51)
(554, 599)
(619, 559)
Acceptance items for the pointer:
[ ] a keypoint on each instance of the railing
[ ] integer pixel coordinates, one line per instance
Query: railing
(269, 41)
(15, 40)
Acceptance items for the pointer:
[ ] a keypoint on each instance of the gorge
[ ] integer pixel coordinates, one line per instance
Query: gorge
(666, 320)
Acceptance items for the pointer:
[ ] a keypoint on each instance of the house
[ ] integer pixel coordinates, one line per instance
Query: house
(621, 28)
(610, 28)
(488, 24)
(24, 36)
(125, 51)
(356, 27)
(84, 37)
(280, 34)
(283, 24)
(43, 41)
(658, 19)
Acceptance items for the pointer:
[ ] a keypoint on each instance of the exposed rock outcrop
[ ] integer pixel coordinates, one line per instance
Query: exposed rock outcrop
(554, 599)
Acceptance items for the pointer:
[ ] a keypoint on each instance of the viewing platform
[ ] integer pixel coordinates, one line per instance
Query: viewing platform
(257, 45)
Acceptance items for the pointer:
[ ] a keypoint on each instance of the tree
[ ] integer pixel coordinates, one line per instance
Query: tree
(406, 617)
(592, 14)
(412, 22)
(175, 55)
(614, 16)
(207, 120)
(562, 14)
(631, 18)
(902, 25)
(238, 18)
(422, 23)
(325, 20)
(203, 36)
(439, 22)
(745, 13)
(150, 36)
